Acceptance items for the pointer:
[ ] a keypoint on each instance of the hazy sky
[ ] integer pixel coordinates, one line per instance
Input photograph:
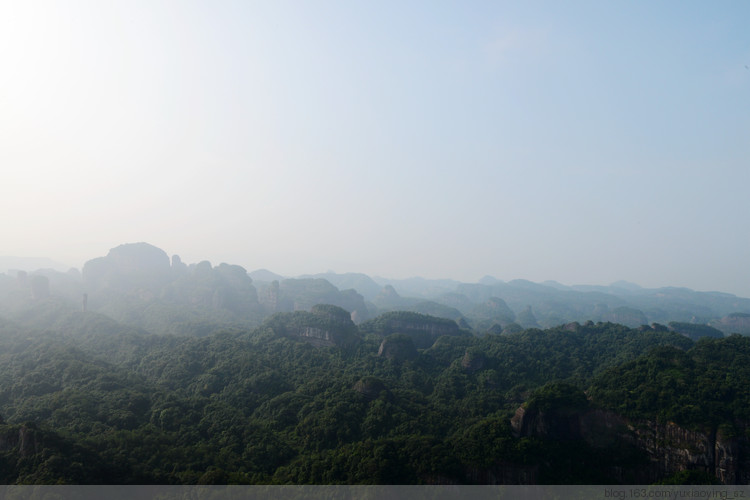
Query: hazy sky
(583, 142)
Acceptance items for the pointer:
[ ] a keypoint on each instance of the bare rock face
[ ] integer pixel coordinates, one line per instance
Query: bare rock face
(325, 325)
(734, 323)
(370, 387)
(25, 440)
(316, 336)
(562, 426)
(179, 268)
(669, 448)
(269, 297)
(730, 460)
(398, 347)
(358, 316)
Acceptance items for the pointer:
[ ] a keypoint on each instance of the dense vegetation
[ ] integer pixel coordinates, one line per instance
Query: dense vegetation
(105, 403)
(142, 371)
(705, 387)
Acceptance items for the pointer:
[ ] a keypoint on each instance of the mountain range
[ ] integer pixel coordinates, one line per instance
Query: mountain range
(141, 277)
(143, 369)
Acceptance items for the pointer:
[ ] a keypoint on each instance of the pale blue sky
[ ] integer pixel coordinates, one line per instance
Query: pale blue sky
(583, 142)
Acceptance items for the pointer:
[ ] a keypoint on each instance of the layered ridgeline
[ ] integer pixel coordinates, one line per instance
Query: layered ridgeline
(183, 374)
(140, 285)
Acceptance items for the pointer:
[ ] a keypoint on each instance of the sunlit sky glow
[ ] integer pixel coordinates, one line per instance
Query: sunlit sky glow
(583, 142)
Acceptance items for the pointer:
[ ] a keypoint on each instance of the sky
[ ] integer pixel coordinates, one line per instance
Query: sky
(582, 142)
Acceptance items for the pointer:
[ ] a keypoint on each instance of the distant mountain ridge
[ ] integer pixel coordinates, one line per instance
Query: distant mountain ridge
(191, 359)
(147, 277)
(9, 263)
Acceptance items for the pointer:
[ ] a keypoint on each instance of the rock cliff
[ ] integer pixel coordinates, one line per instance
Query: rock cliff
(421, 328)
(734, 323)
(668, 447)
(397, 347)
(324, 326)
(371, 388)
(24, 440)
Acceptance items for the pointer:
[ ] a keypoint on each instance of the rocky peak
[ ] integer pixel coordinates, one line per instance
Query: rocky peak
(128, 267)
(668, 448)
(179, 268)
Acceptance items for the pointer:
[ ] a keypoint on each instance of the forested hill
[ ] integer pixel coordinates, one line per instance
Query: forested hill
(143, 369)
(94, 401)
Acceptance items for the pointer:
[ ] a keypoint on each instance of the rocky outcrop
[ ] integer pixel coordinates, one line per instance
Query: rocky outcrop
(572, 327)
(371, 387)
(325, 325)
(558, 425)
(473, 361)
(269, 297)
(179, 268)
(224, 287)
(398, 347)
(672, 448)
(731, 461)
(734, 323)
(316, 336)
(128, 267)
(668, 447)
(133, 275)
(25, 440)
(423, 335)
